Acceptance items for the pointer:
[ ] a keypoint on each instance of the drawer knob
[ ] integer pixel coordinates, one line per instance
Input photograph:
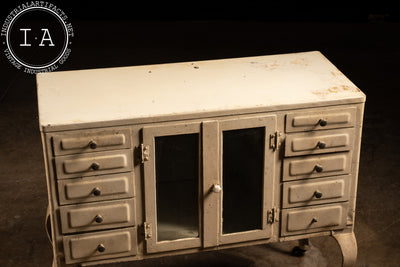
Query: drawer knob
(92, 144)
(98, 218)
(318, 168)
(95, 166)
(317, 194)
(321, 144)
(101, 248)
(323, 122)
(314, 220)
(216, 188)
(97, 191)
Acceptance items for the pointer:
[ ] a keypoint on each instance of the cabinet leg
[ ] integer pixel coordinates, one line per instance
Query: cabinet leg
(348, 246)
(304, 245)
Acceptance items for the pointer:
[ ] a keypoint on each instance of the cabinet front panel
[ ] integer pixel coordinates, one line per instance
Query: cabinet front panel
(315, 191)
(85, 217)
(318, 142)
(320, 119)
(96, 188)
(316, 166)
(91, 141)
(314, 219)
(100, 245)
(94, 163)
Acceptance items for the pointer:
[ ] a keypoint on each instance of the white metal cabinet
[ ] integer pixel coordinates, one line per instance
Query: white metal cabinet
(178, 158)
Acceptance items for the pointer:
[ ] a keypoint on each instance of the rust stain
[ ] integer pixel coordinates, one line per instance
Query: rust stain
(319, 93)
(350, 88)
(272, 66)
(335, 90)
(300, 62)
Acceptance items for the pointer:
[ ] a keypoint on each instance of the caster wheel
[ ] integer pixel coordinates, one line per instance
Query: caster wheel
(298, 252)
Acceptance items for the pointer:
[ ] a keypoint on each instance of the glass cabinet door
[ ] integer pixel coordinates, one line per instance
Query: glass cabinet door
(247, 171)
(172, 179)
(208, 183)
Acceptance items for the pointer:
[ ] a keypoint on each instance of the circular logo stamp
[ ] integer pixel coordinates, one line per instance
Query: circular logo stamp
(36, 37)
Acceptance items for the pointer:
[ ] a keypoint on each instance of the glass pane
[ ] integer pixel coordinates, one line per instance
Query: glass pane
(177, 185)
(243, 173)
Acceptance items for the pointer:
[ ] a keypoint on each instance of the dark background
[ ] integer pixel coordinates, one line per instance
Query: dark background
(362, 40)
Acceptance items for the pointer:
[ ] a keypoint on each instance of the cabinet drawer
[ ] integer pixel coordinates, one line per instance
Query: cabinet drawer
(316, 166)
(100, 245)
(86, 217)
(317, 142)
(94, 163)
(320, 119)
(315, 191)
(314, 219)
(96, 188)
(91, 141)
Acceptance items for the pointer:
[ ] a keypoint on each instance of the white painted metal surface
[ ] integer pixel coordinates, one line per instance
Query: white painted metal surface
(75, 97)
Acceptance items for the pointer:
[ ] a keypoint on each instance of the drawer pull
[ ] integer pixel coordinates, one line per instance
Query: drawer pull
(101, 248)
(98, 218)
(314, 220)
(318, 168)
(321, 144)
(92, 144)
(97, 191)
(317, 194)
(323, 122)
(95, 166)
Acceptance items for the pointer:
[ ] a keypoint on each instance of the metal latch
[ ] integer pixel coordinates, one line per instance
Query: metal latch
(147, 230)
(274, 140)
(145, 152)
(273, 215)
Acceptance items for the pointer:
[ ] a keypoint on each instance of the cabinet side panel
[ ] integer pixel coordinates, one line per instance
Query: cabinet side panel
(355, 163)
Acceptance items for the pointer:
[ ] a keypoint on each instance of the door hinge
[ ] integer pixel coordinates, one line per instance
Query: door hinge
(147, 230)
(273, 215)
(274, 140)
(145, 152)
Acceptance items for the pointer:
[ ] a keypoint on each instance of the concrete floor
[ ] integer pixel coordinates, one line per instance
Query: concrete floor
(367, 53)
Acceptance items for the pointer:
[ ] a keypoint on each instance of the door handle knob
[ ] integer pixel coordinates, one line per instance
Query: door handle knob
(216, 188)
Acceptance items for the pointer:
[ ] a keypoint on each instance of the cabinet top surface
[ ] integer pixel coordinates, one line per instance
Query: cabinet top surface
(97, 95)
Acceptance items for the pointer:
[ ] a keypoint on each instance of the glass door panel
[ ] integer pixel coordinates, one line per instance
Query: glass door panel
(171, 181)
(247, 172)
(242, 179)
(177, 186)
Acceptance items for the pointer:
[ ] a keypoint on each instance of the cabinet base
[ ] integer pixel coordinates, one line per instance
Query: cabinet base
(346, 241)
(348, 246)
